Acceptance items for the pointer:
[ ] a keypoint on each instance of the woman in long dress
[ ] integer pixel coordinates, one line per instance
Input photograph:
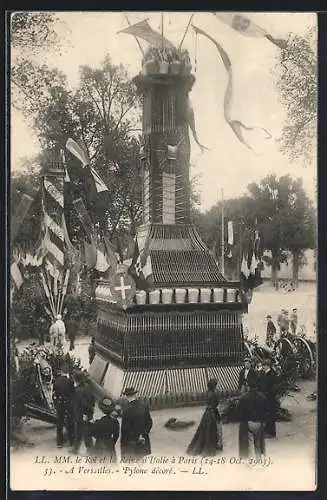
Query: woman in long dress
(207, 440)
(106, 430)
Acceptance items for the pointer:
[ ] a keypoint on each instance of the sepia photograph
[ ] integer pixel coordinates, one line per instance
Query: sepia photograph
(163, 251)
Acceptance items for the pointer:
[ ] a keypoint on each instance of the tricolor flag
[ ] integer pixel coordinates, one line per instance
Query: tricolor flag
(143, 30)
(82, 156)
(240, 130)
(246, 27)
(251, 258)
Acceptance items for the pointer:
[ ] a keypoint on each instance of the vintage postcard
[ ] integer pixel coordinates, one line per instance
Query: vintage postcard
(163, 251)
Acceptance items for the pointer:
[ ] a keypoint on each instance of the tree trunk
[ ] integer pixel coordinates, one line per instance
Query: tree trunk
(296, 264)
(274, 271)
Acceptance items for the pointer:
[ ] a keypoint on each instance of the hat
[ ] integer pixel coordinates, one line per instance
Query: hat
(129, 391)
(268, 316)
(247, 358)
(106, 405)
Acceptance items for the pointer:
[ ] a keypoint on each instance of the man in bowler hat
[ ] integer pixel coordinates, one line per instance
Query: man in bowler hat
(135, 427)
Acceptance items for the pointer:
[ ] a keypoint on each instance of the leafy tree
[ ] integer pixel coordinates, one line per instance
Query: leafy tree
(33, 31)
(296, 80)
(32, 35)
(284, 216)
(102, 113)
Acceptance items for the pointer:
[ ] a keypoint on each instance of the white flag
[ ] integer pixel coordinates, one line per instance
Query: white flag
(230, 231)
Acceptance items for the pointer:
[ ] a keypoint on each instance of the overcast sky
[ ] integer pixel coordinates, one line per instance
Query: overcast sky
(228, 164)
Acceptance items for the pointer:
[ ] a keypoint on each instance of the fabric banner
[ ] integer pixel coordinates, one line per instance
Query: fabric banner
(191, 122)
(16, 275)
(240, 130)
(246, 27)
(251, 260)
(143, 30)
(20, 214)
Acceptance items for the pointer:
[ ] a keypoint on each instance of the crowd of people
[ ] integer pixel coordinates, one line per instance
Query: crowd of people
(286, 323)
(75, 406)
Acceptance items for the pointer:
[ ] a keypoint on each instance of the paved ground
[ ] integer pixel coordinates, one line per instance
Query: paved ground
(291, 454)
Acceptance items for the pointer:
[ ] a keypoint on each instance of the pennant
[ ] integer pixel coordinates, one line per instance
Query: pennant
(246, 27)
(143, 30)
(191, 122)
(239, 129)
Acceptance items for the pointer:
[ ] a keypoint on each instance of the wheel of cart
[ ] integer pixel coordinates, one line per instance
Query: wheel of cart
(287, 354)
(255, 351)
(306, 353)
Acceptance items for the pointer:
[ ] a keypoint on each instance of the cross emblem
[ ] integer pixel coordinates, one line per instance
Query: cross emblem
(240, 23)
(122, 288)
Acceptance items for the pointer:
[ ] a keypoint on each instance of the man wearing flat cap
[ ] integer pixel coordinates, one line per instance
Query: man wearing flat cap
(135, 427)
(271, 332)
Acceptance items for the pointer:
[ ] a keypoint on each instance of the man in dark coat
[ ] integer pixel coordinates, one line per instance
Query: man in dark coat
(271, 332)
(106, 429)
(268, 385)
(63, 396)
(252, 413)
(91, 350)
(293, 321)
(84, 403)
(246, 374)
(135, 427)
(71, 325)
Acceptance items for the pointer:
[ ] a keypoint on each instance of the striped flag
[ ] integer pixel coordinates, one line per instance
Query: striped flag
(246, 27)
(240, 130)
(82, 156)
(141, 267)
(53, 211)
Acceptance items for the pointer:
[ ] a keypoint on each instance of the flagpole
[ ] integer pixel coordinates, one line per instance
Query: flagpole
(138, 43)
(222, 234)
(240, 250)
(162, 29)
(185, 32)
